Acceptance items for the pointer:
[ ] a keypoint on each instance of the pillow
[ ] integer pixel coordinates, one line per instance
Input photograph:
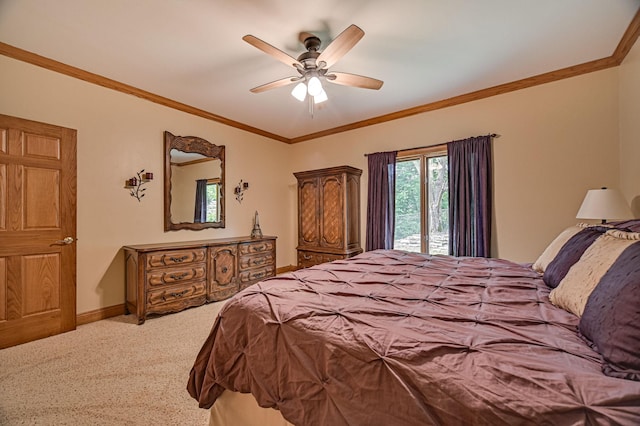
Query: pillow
(552, 250)
(570, 253)
(611, 317)
(631, 225)
(576, 286)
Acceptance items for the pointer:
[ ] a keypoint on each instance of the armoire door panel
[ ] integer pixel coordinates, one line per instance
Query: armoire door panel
(308, 205)
(353, 211)
(332, 229)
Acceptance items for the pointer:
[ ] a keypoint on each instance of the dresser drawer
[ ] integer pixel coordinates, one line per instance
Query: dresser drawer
(248, 262)
(256, 247)
(253, 275)
(159, 299)
(166, 276)
(175, 257)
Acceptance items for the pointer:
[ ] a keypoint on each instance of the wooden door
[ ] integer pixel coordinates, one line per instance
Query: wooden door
(37, 230)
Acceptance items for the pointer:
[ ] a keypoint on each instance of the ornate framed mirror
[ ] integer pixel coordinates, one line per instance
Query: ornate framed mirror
(193, 183)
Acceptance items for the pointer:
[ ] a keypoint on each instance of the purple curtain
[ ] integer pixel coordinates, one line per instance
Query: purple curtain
(470, 196)
(200, 214)
(381, 197)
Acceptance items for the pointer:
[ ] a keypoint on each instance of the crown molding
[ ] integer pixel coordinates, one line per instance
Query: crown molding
(617, 57)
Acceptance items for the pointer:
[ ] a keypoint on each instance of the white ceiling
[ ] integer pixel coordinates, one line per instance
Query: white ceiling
(192, 51)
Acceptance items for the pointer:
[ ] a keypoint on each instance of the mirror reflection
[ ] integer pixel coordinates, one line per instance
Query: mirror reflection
(194, 183)
(195, 187)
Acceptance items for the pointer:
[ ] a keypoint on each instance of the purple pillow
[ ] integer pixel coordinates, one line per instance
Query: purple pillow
(570, 253)
(631, 225)
(611, 318)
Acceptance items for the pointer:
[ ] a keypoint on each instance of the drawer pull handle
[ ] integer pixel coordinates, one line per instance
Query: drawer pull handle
(259, 275)
(224, 269)
(307, 256)
(178, 259)
(175, 295)
(178, 276)
(259, 261)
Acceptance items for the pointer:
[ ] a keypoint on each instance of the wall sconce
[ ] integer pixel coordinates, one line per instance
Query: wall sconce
(239, 191)
(134, 184)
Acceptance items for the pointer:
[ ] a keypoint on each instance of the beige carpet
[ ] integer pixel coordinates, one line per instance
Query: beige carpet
(110, 372)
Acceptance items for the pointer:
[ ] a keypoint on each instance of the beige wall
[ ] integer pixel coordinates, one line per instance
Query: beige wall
(556, 141)
(120, 134)
(630, 128)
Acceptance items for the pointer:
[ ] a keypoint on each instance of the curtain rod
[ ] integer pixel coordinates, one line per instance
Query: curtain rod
(493, 135)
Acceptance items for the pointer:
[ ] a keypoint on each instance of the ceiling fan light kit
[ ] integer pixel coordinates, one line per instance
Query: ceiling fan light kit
(313, 66)
(299, 92)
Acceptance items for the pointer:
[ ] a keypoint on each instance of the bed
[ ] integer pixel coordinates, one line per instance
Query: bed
(396, 338)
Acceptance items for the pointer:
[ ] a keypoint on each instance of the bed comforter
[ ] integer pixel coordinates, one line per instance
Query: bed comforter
(396, 338)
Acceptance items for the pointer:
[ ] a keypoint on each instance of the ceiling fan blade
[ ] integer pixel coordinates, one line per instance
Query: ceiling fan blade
(274, 84)
(270, 50)
(354, 80)
(340, 45)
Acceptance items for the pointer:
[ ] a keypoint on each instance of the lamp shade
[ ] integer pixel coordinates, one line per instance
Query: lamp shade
(299, 92)
(320, 97)
(604, 204)
(314, 86)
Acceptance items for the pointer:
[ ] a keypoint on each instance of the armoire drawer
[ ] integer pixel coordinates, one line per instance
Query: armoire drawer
(307, 259)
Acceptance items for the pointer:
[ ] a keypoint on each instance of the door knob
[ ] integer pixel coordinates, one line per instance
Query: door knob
(66, 240)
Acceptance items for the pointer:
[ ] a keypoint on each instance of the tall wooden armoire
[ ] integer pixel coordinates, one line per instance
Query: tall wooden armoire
(328, 215)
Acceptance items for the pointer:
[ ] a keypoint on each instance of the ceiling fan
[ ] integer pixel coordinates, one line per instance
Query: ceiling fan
(313, 65)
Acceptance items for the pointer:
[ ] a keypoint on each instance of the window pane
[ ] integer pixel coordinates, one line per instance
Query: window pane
(212, 202)
(438, 189)
(407, 219)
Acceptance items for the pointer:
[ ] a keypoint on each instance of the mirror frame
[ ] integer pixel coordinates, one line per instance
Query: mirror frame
(196, 145)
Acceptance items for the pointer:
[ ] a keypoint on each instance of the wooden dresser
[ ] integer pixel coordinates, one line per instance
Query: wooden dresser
(169, 277)
(328, 215)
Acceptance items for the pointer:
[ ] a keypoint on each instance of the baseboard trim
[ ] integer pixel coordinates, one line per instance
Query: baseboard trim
(114, 311)
(99, 314)
(287, 268)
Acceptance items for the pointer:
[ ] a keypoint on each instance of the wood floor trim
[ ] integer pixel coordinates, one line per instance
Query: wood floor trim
(116, 310)
(617, 57)
(99, 314)
(287, 268)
